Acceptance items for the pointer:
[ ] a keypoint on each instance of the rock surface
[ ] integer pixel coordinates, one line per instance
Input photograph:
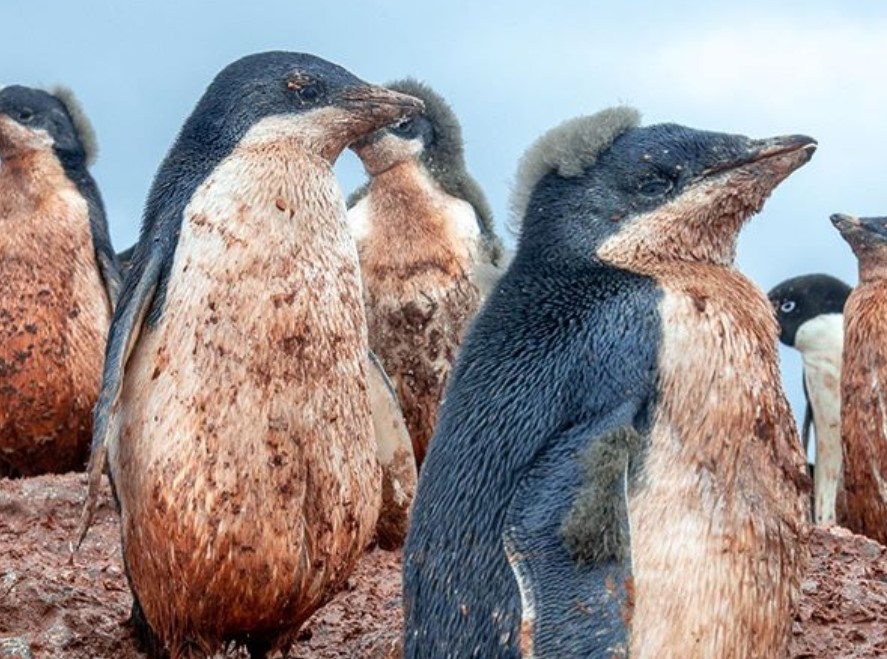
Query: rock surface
(53, 604)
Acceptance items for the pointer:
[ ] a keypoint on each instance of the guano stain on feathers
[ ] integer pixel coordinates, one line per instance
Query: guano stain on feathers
(415, 265)
(231, 431)
(55, 316)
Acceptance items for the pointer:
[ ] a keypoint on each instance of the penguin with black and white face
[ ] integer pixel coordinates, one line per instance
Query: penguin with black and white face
(234, 410)
(58, 282)
(425, 236)
(609, 475)
(864, 378)
(810, 311)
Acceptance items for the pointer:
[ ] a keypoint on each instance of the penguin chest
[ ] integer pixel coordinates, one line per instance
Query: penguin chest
(864, 410)
(417, 247)
(717, 512)
(54, 318)
(246, 463)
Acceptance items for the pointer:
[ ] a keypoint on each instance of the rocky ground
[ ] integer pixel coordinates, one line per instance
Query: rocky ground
(56, 605)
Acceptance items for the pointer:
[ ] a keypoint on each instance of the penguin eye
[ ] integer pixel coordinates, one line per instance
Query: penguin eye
(310, 92)
(655, 187)
(404, 128)
(25, 115)
(787, 306)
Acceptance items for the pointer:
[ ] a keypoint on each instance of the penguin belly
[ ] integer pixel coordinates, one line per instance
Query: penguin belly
(716, 514)
(820, 342)
(246, 464)
(54, 319)
(416, 339)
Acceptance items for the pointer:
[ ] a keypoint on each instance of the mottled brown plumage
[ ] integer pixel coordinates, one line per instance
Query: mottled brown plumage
(863, 380)
(54, 311)
(422, 228)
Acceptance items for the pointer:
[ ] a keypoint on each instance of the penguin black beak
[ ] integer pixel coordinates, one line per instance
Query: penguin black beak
(777, 155)
(372, 107)
(869, 229)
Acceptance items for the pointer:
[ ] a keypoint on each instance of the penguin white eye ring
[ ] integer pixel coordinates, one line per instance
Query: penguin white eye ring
(788, 306)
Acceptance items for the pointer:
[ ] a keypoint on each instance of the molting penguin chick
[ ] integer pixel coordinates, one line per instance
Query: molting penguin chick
(810, 310)
(864, 378)
(425, 237)
(58, 282)
(234, 407)
(615, 468)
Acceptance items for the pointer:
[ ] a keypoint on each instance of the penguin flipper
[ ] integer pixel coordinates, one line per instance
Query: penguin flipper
(105, 256)
(394, 450)
(808, 419)
(567, 540)
(136, 299)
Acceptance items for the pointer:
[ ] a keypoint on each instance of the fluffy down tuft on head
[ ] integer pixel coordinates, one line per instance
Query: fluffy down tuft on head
(568, 149)
(82, 125)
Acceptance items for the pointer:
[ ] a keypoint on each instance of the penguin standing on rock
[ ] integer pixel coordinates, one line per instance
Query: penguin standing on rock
(864, 378)
(610, 475)
(58, 282)
(427, 249)
(810, 310)
(234, 410)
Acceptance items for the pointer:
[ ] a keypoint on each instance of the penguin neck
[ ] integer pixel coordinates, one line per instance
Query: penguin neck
(27, 177)
(873, 266)
(407, 224)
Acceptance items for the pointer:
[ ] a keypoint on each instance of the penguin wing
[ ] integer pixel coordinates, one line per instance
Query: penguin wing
(567, 539)
(394, 450)
(105, 256)
(136, 299)
(808, 420)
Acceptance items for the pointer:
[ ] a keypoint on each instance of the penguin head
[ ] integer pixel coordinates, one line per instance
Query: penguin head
(320, 104)
(605, 188)
(433, 137)
(801, 299)
(867, 237)
(34, 119)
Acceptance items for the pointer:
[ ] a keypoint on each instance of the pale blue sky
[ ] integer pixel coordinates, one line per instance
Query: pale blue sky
(511, 70)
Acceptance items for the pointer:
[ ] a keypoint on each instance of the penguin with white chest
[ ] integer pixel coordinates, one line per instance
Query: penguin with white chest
(864, 378)
(234, 411)
(58, 282)
(610, 475)
(427, 249)
(810, 310)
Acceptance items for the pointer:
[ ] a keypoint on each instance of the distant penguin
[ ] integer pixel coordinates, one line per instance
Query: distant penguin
(809, 309)
(425, 237)
(234, 407)
(58, 282)
(864, 378)
(615, 470)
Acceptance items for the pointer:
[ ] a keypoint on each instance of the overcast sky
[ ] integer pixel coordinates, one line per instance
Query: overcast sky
(511, 70)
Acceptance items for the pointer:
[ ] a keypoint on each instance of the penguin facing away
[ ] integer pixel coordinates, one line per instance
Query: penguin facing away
(609, 475)
(427, 248)
(234, 411)
(863, 378)
(58, 282)
(809, 309)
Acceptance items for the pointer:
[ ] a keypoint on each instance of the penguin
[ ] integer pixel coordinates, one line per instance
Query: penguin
(616, 471)
(58, 282)
(427, 249)
(863, 378)
(810, 309)
(233, 413)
